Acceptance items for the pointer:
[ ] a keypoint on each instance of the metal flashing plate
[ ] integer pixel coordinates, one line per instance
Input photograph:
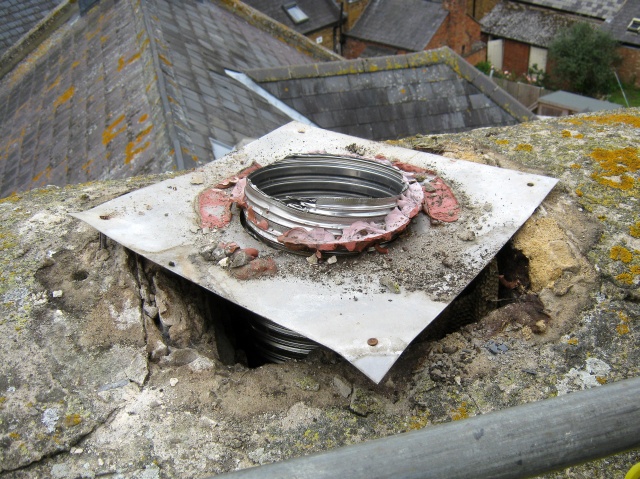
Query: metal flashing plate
(367, 307)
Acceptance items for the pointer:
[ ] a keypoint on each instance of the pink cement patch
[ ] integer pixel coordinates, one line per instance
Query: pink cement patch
(441, 204)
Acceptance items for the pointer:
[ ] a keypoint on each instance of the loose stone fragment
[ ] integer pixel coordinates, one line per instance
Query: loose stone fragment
(344, 388)
(390, 284)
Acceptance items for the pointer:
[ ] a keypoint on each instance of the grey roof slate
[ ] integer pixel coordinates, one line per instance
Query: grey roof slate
(17, 17)
(525, 24)
(398, 96)
(600, 9)
(321, 13)
(134, 88)
(577, 103)
(617, 25)
(404, 24)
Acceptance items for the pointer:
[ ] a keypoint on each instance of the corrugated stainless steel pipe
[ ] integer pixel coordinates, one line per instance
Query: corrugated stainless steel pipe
(320, 191)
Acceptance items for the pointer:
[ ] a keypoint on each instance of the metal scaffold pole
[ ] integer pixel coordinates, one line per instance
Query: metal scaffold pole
(518, 442)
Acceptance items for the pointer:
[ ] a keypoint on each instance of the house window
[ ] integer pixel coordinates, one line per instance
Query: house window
(634, 26)
(295, 13)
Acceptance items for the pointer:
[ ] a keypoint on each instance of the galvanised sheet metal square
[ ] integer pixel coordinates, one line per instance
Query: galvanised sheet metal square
(341, 305)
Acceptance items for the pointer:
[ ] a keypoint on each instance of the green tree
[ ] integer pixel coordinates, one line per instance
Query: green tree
(582, 59)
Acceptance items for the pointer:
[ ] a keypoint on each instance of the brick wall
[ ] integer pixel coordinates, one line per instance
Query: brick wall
(353, 9)
(516, 57)
(479, 8)
(459, 31)
(629, 69)
(353, 48)
(327, 38)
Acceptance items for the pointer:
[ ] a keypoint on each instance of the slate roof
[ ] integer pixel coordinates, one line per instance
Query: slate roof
(576, 103)
(134, 88)
(525, 24)
(137, 87)
(404, 24)
(600, 9)
(321, 13)
(617, 25)
(17, 17)
(392, 97)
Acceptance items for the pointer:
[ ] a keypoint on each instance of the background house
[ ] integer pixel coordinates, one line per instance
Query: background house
(519, 33)
(319, 20)
(392, 27)
(624, 26)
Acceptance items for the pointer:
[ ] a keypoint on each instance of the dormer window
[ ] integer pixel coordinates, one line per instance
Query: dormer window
(634, 26)
(295, 13)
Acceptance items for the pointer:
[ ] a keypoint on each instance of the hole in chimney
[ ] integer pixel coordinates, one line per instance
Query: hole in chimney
(79, 275)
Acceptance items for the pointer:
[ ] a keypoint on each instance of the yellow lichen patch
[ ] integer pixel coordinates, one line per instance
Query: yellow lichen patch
(418, 421)
(112, 130)
(123, 63)
(572, 341)
(460, 412)
(87, 166)
(75, 64)
(579, 193)
(65, 97)
(601, 379)
(616, 164)
(14, 435)
(602, 217)
(143, 118)
(46, 172)
(54, 84)
(566, 134)
(71, 420)
(620, 253)
(524, 147)
(612, 119)
(623, 329)
(575, 166)
(579, 136)
(502, 142)
(165, 60)
(634, 230)
(104, 38)
(133, 149)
